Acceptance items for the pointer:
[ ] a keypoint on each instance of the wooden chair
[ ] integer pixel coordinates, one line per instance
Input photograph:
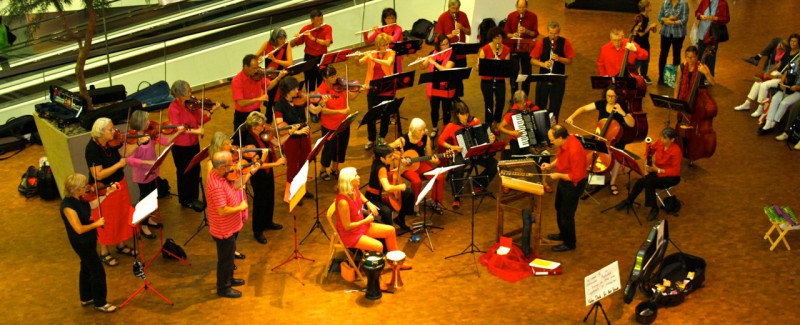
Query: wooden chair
(336, 242)
(780, 224)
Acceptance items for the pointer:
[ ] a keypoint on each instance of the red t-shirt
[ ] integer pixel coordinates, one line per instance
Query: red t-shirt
(449, 133)
(179, 115)
(488, 53)
(609, 63)
(569, 52)
(529, 21)
(220, 193)
(312, 47)
(244, 87)
(571, 160)
(669, 160)
(332, 121)
(445, 25)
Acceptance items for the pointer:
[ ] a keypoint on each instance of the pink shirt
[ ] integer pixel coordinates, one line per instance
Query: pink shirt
(145, 152)
(220, 193)
(179, 115)
(350, 237)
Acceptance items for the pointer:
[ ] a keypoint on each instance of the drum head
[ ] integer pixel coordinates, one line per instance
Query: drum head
(395, 255)
(373, 259)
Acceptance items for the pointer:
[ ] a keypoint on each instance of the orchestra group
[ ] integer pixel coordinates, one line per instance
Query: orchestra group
(280, 135)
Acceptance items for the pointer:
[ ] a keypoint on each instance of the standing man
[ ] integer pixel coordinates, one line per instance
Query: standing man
(249, 88)
(227, 208)
(570, 172)
(611, 54)
(521, 23)
(316, 37)
(552, 54)
(455, 25)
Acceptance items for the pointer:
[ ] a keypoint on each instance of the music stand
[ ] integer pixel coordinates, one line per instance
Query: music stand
(426, 224)
(296, 192)
(393, 83)
(671, 104)
(377, 112)
(602, 82)
(545, 77)
(334, 57)
(592, 144)
(495, 68)
(628, 160)
(406, 47)
(200, 156)
(312, 157)
(302, 66)
(449, 75)
(460, 49)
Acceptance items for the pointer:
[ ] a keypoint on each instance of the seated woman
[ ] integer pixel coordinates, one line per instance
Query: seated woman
(356, 230)
(664, 172)
(379, 183)
(416, 140)
(760, 89)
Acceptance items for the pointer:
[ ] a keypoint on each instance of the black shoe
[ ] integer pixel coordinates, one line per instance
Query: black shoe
(237, 282)
(653, 216)
(762, 131)
(308, 196)
(229, 293)
(401, 224)
(197, 205)
(752, 60)
(647, 80)
(275, 226)
(261, 239)
(239, 256)
(556, 237)
(622, 205)
(148, 236)
(562, 248)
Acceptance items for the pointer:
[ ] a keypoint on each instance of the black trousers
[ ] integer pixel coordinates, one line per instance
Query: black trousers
(549, 95)
(188, 183)
(522, 65)
(494, 98)
(650, 184)
(226, 248)
(459, 85)
(457, 175)
(263, 184)
(335, 149)
(666, 42)
(374, 98)
(92, 278)
(567, 197)
(446, 104)
(312, 77)
(407, 207)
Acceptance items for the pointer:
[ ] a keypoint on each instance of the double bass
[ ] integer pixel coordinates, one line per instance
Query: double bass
(632, 98)
(698, 138)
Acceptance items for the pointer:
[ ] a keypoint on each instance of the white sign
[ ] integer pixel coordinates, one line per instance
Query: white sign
(602, 283)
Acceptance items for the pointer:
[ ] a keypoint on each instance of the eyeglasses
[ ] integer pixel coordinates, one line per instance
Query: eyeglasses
(611, 96)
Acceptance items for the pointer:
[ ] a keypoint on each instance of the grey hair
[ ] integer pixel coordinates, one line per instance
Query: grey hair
(139, 120)
(416, 124)
(217, 140)
(98, 126)
(220, 159)
(520, 97)
(255, 118)
(275, 35)
(454, 3)
(178, 88)
(554, 24)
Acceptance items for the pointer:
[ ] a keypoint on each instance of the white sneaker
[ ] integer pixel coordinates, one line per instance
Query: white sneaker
(369, 145)
(782, 137)
(758, 112)
(743, 107)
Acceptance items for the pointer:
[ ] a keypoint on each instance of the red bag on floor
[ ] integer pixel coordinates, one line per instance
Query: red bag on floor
(511, 267)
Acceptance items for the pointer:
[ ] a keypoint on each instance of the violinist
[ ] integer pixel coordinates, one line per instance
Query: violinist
(298, 146)
(316, 37)
(379, 65)
(454, 24)
(391, 28)
(333, 110)
(227, 210)
(222, 142)
(522, 23)
(416, 140)
(263, 181)
(379, 183)
(82, 233)
(664, 172)
(442, 93)
(448, 141)
(552, 54)
(609, 63)
(494, 89)
(250, 89)
(605, 107)
(276, 54)
(106, 164)
(143, 158)
(187, 144)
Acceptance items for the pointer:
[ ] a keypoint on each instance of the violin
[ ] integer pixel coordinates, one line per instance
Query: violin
(248, 152)
(116, 141)
(269, 134)
(353, 85)
(91, 191)
(151, 131)
(237, 170)
(205, 104)
(314, 98)
(261, 73)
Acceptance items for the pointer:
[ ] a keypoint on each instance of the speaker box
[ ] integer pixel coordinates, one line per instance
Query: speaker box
(117, 112)
(107, 94)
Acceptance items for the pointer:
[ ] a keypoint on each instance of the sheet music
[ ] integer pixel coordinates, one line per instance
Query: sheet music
(145, 207)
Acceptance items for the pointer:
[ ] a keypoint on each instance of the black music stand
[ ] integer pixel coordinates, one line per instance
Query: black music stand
(296, 254)
(334, 57)
(425, 225)
(376, 113)
(495, 68)
(312, 158)
(393, 83)
(302, 66)
(602, 82)
(519, 45)
(482, 193)
(545, 77)
(451, 76)
(406, 47)
(200, 156)
(465, 48)
(628, 160)
(671, 104)
(592, 144)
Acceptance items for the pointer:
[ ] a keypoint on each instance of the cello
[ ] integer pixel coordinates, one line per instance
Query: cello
(633, 98)
(699, 140)
(610, 129)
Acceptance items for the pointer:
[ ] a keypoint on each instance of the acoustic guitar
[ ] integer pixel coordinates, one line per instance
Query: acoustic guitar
(412, 159)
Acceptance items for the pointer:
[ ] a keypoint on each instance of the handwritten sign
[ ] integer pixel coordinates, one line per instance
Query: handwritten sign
(602, 283)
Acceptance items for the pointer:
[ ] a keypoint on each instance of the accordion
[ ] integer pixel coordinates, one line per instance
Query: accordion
(534, 127)
(472, 136)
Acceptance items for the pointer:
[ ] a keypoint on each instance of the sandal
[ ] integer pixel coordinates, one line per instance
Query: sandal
(109, 260)
(324, 176)
(614, 189)
(87, 303)
(108, 308)
(125, 250)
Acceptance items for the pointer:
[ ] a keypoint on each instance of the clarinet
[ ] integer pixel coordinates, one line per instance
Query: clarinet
(552, 52)
(649, 152)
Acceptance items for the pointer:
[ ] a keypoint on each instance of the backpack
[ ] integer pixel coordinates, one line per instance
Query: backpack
(672, 205)
(421, 28)
(48, 189)
(171, 249)
(483, 29)
(29, 184)
(794, 132)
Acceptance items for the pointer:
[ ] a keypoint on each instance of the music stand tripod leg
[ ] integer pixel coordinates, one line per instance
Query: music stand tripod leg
(595, 307)
(317, 224)
(203, 223)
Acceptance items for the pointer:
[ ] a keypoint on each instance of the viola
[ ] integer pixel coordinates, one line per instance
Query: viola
(632, 99)
(248, 152)
(237, 170)
(261, 73)
(270, 136)
(699, 140)
(92, 191)
(205, 104)
(167, 128)
(341, 85)
(151, 131)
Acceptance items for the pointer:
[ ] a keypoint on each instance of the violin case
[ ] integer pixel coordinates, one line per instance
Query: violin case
(631, 6)
(154, 97)
(107, 94)
(117, 112)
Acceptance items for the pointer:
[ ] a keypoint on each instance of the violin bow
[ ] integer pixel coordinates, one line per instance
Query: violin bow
(125, 140)
(202, 112)
(277, 132)
(587, 132)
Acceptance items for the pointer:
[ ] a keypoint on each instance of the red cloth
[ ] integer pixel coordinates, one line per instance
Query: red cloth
(350, 237)
(179, 115)
(686, 83)
(488, 53)
(296, 150)
(723, 16)
(609, 63)
(332, 121)
(446, 25)
(118, 212)
(569, 52)
(511, 267)
(280, 55)
(312, 47)
(219, 194)
(244, 87)
(669, 160)
(529, 21)
(448, 135)
(571, 160)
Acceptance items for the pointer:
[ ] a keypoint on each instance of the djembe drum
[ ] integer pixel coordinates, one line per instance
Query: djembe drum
(373, 263)
(396, 259)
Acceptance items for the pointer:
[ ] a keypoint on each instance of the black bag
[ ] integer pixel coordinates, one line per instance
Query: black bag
(107, 94)
(675, 268)
(11, 37)
(483, 30)
(163, 188)
(421, 28)
(48, 189)
(29, 184)
(672, 205)
(719, 32)
(173, 248)
(117, 112)
(431, 38)
(794, 131)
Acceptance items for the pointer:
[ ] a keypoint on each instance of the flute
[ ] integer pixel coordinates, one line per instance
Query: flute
(308, 31)
(379, 27)
(429, 56)
(359, 53)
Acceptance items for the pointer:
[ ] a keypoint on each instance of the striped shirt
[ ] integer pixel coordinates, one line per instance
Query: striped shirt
(680, 11)
(219, 194)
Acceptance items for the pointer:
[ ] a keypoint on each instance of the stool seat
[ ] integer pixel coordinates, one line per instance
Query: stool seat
(782, 222)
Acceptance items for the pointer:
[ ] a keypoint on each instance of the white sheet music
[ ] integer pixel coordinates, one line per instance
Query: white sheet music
(145, 207)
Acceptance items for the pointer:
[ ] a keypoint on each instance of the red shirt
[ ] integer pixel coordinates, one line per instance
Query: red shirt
(220, 193)
(723, 16)
(529, 21)
(179, 115)
(313, 47)
(350, 237)
(446, 25)
(569, 52)
(610, 61)
(449, 133)
(332, 121)
(571, 160)
(514, 111)
(244, 87)
(669, 160)
(488, 53)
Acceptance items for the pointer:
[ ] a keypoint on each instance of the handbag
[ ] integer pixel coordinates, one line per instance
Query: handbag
(719, 32)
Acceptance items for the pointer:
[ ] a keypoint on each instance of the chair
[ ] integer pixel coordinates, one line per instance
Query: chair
(662, 192)
(336, 242)
(780, 223)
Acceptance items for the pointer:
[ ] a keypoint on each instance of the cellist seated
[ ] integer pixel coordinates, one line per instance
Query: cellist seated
(663, 172)
(379, 183)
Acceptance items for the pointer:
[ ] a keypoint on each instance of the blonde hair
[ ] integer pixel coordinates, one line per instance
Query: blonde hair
(98, 126)
(416, 124)
(139, 120)
(520, 97)
(217, 140)
(73, 183)
(255, 118)
(346, 177)
(383, 39)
